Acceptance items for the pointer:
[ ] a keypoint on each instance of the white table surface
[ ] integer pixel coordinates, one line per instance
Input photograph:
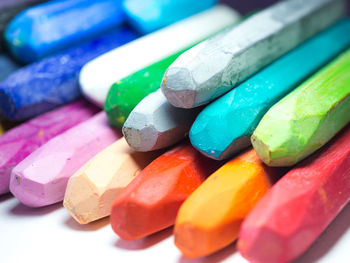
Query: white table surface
(50, 235)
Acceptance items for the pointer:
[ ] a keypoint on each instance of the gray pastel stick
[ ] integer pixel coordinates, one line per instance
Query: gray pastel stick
(216, 65)
(155, 123)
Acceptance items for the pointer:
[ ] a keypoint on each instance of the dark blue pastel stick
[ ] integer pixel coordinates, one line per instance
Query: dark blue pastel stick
(53, 81)
(7, 66)
(54, 26)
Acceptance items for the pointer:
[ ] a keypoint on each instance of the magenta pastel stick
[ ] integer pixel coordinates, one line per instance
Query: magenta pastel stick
(17, 143)
(41, 178)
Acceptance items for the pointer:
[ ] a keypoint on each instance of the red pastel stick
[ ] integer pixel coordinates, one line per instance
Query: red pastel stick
(300, 206)
(151, 201)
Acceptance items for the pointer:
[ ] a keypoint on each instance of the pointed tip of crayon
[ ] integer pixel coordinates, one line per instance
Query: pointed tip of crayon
(178, 87)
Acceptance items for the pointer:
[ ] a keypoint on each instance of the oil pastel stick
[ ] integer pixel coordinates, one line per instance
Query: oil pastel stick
(156, 124)
(41, 178)
(151, 201)
(211, 216)
(98, 75)
(92, 189)
(147, 16)
(51, 27)
(10, 8)
(306, 118)
(54, 80)
(216, 65)
(297, 209)
(237, 113)
(19, 142)
(7, 66)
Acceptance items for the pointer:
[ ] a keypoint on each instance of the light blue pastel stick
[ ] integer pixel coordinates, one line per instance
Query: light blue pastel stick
(50, 27)
(149, 15)
(224, 127)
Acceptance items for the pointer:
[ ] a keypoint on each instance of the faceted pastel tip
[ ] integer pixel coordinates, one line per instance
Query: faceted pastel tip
(260, 244)
(191, 241)
(261, 149)
(179, 88)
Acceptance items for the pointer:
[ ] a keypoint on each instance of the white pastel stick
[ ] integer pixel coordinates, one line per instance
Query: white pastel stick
(216, 65)
(98, 75)
(155, 123)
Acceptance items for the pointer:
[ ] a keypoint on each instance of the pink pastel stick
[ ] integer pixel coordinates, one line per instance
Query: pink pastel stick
(42, 177)
(19, 142)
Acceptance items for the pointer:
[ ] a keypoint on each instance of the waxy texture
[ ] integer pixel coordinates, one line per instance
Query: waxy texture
(237, 113)
(42, 177)
(19, 142)
(53, 81)
(156, 124)
(297, 209)
(307, 118)
(149, 15)
(151, 201)
(215, 66)
(211, 216)
(98, 75)
(92, 190)
(54, 26)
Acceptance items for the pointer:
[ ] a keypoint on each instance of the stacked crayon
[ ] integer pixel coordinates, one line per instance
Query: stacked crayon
(226, 127)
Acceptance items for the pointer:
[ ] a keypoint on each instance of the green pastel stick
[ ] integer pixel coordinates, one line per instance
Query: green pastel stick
(307, 118)
(125, 94)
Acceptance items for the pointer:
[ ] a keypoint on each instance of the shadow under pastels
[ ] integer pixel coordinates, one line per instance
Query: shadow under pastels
(146, 242)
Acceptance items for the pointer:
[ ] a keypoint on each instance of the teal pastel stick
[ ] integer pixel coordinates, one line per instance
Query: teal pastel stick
(224, 127)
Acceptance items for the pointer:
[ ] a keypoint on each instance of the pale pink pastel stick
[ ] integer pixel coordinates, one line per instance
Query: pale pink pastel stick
(19, 142)
(42, 177)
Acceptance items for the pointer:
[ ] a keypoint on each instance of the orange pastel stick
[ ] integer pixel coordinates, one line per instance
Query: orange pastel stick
(151, 201)
(211, 217)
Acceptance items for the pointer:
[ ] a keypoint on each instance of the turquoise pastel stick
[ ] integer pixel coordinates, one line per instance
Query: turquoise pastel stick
(224, 127)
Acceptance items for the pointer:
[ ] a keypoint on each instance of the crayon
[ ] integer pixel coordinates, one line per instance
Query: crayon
(19, 142)
(155, 123)
(151, 201)
(54, 80)
(51, 27)
(10, 8)
(216, 65)
(237, 113)
(41, 178)
(91, 190)
(211, 216)
(306, 118)
(98, 75)
(297, 209)
(7, 66)
(147, 16)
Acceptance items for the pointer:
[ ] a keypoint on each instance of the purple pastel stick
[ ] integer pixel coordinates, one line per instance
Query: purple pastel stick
(42, 177)
(17, 143)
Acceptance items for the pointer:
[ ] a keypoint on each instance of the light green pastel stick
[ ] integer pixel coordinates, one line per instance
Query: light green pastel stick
(307, 118)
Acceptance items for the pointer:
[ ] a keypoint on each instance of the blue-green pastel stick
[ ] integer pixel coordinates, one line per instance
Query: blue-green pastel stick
(225, 126)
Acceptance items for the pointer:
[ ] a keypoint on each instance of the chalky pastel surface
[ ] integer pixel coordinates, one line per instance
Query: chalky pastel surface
(56, 25)
(92, 190)
(307, 118)
(300, 206)
(54, 81)
(156, 124)
(215, 66)
(7, 66)
(151, 201)
(41, 178)
(19, 142)
(147, 16)
(125, 94)
(211, 216)
(98, 75)
(237, 113)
